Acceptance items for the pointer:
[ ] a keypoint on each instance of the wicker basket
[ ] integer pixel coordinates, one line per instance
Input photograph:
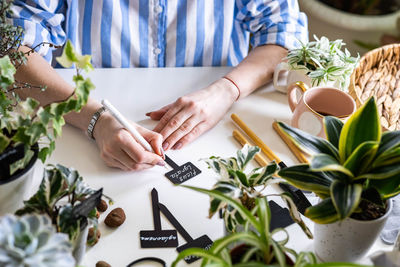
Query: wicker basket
(378, 74)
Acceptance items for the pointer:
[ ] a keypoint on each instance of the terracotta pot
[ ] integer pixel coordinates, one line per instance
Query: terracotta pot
(16, 188)
(347, 240)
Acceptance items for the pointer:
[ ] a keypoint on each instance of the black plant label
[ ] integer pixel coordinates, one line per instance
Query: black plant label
(158, 239)
(203, 242)
(183, 173)
(280, 217)
(86, 206)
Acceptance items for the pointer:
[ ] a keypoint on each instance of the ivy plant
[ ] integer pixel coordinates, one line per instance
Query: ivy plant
(323, 61)
(27, 123)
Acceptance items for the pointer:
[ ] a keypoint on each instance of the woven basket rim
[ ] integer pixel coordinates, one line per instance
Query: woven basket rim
(366, 56)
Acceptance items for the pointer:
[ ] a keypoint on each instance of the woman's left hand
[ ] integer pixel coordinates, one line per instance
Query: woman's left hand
(191, 115)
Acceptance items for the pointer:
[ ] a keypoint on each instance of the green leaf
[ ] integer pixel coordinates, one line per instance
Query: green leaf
(20, 164)
(7, 71)
(360, 160)
(388, 187)
(323, 213)
(345, 197)
(260, 176)
(243, 211)
(389, 157)
(382, 172)
(199, 253)
(4, 142)
(362, 126)
(246, 154)
(242, 178)
(333, 127)
(68, 57)
(389, 140)
(295, 214)
(302, 177)
(324, 162)
(307, 142)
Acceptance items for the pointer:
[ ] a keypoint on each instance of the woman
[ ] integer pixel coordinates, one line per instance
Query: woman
(159, 33)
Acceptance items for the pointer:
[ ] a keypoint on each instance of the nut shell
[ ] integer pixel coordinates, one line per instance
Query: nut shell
(115, 218)
(102, 207)
(102, 264)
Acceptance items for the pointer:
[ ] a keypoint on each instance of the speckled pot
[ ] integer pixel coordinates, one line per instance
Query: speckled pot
(347, 240)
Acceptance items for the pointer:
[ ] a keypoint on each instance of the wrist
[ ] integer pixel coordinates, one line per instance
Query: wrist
(103, 120)
(229, 88)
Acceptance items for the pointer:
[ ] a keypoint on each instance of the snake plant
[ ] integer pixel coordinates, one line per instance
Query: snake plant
(354, 172)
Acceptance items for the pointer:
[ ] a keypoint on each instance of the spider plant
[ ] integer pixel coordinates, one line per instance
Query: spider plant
(261, 249)
(355, 171)
(323, 61)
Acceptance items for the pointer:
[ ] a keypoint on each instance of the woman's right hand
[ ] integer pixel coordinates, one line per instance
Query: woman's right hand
(119, 149)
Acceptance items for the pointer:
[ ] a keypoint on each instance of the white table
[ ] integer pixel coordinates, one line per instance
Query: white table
(135, 92)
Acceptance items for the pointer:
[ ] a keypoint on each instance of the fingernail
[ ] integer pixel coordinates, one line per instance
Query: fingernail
(148, 113)
(162, 153)
(161, 163)
(165, 145)
(178, 145)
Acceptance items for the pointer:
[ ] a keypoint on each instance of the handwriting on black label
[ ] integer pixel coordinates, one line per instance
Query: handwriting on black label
(183, 173)
(203, 242)
(158, 239)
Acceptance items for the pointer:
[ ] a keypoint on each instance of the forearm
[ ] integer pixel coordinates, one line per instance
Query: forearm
(38, 72)
(257, 68)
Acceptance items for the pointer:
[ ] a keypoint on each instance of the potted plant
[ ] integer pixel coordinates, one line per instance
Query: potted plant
(28, 132)
(244, 187)
(352, 20)
(255, 246)
(70, 203)
(32, 240)
(355, 172)
(319, 62)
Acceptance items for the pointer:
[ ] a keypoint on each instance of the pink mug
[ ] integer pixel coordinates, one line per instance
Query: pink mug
(309, 106)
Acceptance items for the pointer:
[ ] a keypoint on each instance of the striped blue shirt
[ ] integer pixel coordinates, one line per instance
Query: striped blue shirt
(160, 33)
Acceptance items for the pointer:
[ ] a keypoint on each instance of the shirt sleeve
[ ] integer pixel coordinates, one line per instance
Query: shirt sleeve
(278, 22)
(42, 21)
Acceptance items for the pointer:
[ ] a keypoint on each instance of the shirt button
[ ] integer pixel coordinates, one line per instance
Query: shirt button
(157, 51)
(158, 9)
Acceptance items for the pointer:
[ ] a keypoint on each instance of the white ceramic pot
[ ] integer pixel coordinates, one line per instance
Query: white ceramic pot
(79, 247)
(347, 240)
(324, 20)
(282, 83)
(16, 188)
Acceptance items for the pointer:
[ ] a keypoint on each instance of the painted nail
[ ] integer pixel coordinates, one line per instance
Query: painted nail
(161, 163)
(165, 145)
(178, 145)
(148, 113)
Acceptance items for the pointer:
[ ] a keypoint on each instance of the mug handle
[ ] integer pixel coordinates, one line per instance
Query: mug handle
(291, 93)
(280, 67)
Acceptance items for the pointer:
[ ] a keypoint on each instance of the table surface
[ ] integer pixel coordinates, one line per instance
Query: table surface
(135, 92)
